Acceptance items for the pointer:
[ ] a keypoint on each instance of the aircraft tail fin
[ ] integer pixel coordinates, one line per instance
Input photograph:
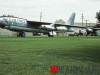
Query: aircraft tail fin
(71, 19)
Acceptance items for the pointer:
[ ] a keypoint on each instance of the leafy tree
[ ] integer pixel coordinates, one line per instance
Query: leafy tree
(98, 16)
(60, 21)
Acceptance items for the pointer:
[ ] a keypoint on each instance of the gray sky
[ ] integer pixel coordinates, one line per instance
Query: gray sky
(51, 9)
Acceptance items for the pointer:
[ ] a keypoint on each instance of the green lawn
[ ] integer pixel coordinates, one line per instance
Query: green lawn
(35, 55)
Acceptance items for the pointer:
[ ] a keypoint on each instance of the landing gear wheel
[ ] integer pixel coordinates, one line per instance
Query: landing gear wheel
(50, 35)
(21, 34)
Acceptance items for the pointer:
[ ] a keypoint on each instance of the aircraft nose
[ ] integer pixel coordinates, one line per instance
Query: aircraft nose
(2, 22)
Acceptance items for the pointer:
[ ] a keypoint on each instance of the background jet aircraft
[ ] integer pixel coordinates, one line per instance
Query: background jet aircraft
(21, 25)
(92, 30)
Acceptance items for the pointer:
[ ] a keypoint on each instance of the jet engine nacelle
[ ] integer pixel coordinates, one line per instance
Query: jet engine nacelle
(62, 29)
(48, 27)
(89, 30)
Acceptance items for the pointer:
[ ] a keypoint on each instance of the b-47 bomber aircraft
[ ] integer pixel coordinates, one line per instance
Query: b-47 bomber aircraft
(21, 25)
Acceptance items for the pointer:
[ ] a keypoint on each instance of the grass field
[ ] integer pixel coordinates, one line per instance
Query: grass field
(35, 55)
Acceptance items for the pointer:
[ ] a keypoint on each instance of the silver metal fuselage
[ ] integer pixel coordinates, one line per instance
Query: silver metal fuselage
(20, 24)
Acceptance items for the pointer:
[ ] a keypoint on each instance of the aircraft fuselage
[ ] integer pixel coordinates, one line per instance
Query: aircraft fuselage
(20, 24)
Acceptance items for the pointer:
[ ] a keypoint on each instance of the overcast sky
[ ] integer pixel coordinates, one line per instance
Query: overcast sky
(51, 9)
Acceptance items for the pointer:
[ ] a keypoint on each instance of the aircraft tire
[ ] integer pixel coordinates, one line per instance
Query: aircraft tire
(21, 34)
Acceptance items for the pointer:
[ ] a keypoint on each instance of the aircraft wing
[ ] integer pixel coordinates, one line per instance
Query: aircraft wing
(38, 23)
(69, 26)
(96, 28)
(89, 26)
